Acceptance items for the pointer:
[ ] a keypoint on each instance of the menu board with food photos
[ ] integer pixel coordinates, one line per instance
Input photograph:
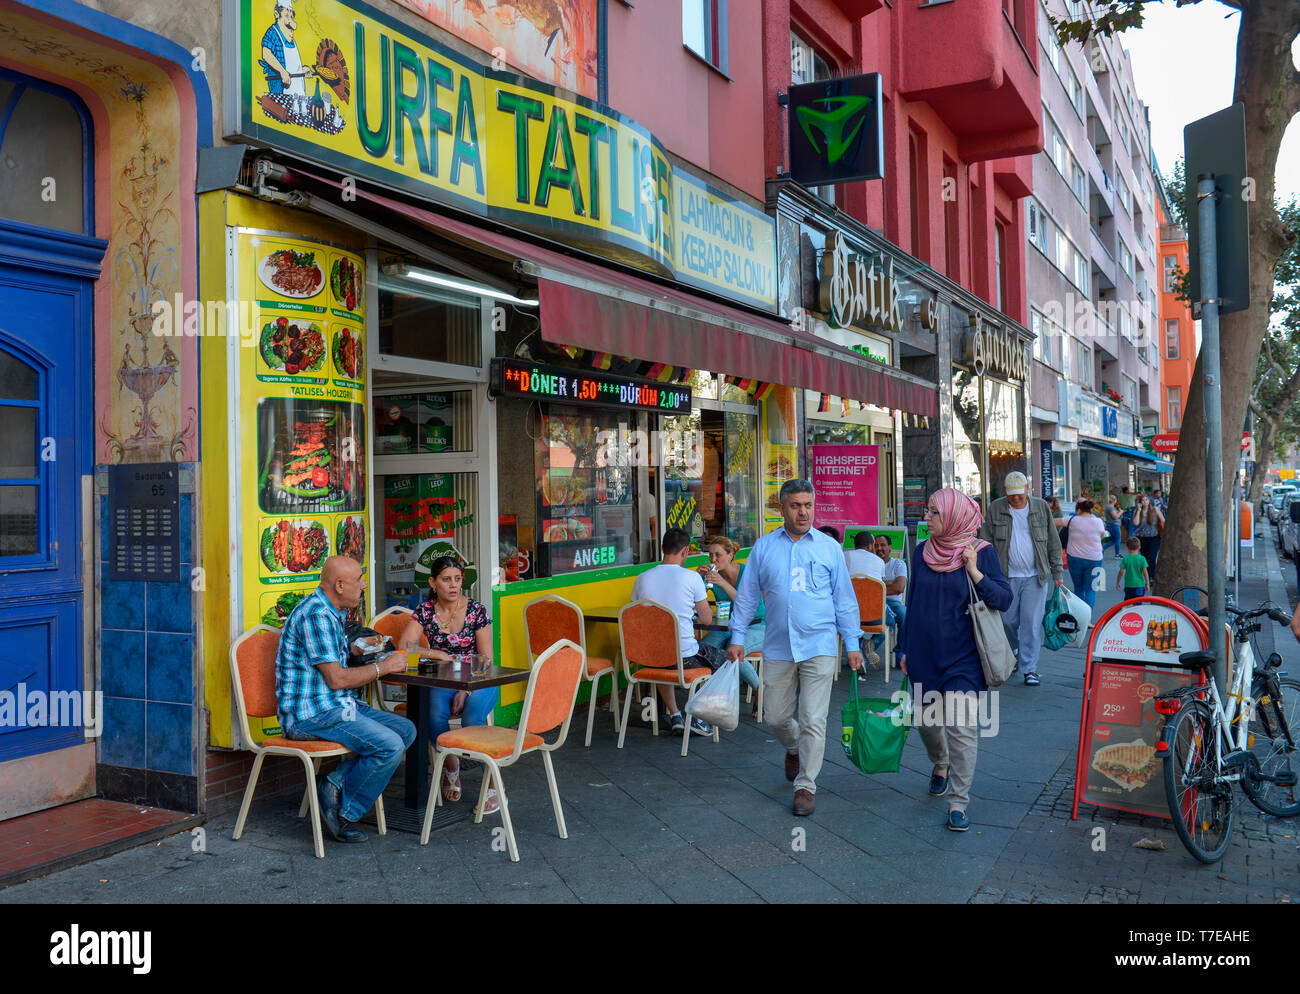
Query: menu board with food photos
(780, 452)
(301, 420)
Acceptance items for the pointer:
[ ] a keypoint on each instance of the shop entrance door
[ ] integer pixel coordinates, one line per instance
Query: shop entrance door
(434, 450)
(44, 321)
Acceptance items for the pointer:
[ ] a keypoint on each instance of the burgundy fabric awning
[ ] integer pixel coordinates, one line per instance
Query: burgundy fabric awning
(595, 307)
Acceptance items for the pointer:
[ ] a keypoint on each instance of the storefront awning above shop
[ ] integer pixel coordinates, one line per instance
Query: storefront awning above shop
(596, 307)
(1157, 464)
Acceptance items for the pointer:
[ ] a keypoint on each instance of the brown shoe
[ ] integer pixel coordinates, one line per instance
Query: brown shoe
(791, 766)
(804, 802)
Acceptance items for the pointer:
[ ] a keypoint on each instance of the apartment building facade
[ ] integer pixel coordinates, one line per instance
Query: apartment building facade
(960, 124)
(1092, 270)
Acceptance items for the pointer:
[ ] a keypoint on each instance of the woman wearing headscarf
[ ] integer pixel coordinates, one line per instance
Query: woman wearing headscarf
(939, 648)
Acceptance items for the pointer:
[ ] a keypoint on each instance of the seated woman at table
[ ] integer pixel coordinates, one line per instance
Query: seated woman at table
(454, 625)
(724, 573)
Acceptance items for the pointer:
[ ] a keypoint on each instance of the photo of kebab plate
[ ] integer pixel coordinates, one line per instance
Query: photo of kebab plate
(294, 546)
(291, 273)
(278, 613)
(349, 359)
(303, 463)
(292, 346)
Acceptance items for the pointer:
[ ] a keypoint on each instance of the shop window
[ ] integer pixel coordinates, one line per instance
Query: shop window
(421, 320)
(426, 516)
(22, 390)
(968, 433)
(44, 156)
(711, 475)
(435, 421)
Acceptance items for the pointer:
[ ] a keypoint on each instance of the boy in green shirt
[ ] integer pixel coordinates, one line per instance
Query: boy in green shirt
(1133, 570)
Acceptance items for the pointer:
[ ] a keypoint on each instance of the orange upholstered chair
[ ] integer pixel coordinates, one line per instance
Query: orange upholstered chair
(870, 593)
(392, 622)
(252, 671)
(548, 704)
(549, 619)
(647, 634)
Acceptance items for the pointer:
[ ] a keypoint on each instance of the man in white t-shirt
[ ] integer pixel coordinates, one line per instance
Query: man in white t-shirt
(894, 573)
(682, 591)
(862, 559)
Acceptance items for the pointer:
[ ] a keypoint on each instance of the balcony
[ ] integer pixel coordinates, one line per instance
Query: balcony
(1105, 340)
(985, 88)
(1101, 192)
(1103, 263)
(855, 10)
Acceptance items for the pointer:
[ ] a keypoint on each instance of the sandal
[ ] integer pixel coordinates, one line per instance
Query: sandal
(450, 785)
(491, 804)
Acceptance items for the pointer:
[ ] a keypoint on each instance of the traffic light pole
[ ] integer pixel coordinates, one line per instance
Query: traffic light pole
(1213, 395)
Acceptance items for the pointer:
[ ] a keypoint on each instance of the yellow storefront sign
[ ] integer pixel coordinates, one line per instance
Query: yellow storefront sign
(351, 87)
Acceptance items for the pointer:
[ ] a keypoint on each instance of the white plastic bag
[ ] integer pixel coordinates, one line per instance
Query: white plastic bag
(718, 701)
(1082, 614)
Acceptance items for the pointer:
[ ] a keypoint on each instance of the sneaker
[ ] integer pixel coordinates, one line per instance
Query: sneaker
(699, 727)
(1031, 680)
(957, 821)
(676, 723)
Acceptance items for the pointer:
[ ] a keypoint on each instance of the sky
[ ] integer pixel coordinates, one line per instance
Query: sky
(1184, 64)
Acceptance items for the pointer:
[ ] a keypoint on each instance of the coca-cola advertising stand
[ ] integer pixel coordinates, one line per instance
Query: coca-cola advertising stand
(1132, 657)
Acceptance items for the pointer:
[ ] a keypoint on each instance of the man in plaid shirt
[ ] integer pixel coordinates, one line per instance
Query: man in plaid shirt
(315, 691)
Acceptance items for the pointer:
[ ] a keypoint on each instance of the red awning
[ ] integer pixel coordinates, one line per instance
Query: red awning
(599, 308)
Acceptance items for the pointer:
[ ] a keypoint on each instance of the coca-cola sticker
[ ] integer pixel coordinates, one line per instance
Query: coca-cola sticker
(1101, 733)
(1131, 623)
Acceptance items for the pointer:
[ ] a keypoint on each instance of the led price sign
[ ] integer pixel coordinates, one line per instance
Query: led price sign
(587, 388)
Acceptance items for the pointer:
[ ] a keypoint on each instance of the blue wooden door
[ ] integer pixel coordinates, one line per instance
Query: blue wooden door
(44, 406)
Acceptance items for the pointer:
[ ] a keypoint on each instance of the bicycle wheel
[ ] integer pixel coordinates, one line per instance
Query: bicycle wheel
(1201, 809)
(1274, 716)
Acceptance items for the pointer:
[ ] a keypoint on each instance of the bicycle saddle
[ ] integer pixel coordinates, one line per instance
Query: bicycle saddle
(1202, 659)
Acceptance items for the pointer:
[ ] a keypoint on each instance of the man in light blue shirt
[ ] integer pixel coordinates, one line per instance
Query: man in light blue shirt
(804, 584)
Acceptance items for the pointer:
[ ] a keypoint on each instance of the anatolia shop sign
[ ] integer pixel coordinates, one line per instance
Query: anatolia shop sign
(367, 95)
(997, 349)
(857, 292)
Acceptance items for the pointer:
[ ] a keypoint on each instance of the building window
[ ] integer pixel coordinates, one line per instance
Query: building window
(918, 169)
(704, 30)
(808, 66)
(999, 263)
(1171, 272)
(1082, 272)
(1175, 395)
(1171, 339)
(1034, 223)
(45, 143)
(1125, 259)
(1083, 364)
(951, 246)
(1130, 392)
(1078, 182)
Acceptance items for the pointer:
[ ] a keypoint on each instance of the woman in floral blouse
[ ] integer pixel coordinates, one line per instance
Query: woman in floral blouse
(454, 625)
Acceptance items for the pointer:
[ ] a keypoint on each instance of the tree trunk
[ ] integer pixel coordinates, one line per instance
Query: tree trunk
(1269, 86)
(1266, 437)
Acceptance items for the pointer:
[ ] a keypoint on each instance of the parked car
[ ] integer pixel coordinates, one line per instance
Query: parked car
(1276, 500)
(1287, 532)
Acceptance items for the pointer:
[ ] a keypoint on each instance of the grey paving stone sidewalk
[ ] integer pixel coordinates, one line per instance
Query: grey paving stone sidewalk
(647, 826)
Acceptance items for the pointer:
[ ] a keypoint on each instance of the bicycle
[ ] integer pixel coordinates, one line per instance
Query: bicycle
(1207, 746)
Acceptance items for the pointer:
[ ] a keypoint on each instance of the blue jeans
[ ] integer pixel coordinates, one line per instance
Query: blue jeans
(477, 708)
(754, 636)
(896, 605)
(1131, 592)
(1083, 573)
(1023, 620)
(1112, 530)
(379, 740)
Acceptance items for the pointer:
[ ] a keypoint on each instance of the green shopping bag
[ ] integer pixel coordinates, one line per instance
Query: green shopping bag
(1058, 624)
(875, 730)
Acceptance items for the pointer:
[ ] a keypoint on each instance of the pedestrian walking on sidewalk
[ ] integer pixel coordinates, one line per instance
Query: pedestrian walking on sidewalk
(1029, 550)
(938, 647)
(803, 581)
(1111, 517)
(1148, 519)
(1084, 551)
(1133, 571)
